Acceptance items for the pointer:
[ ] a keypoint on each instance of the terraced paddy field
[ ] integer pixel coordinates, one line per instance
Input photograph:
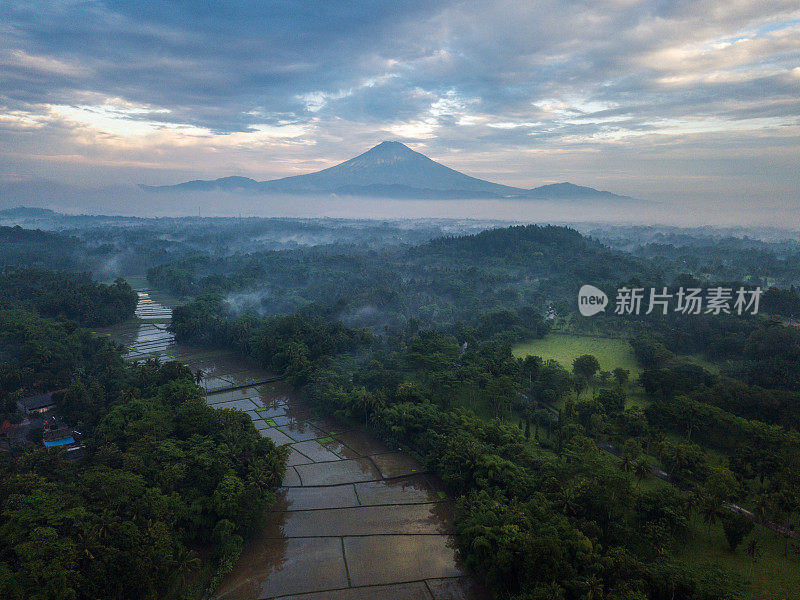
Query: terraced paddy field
(354, 520)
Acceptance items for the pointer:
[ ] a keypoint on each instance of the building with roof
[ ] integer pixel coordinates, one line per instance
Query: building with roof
(37, 404)
(60, 436)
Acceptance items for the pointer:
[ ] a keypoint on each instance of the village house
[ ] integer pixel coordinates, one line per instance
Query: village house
(40, 403)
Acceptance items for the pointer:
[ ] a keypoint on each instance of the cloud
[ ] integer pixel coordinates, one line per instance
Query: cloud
(523, 93)
(19, 59)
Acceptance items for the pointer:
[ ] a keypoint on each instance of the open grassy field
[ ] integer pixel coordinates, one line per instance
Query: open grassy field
(564, 348)
(699, 360)
(772, 577)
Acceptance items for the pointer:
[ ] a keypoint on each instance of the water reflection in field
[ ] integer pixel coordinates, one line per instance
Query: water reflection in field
(355, 520)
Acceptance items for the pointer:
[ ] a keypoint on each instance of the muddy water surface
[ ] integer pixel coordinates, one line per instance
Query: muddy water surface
(355, 520)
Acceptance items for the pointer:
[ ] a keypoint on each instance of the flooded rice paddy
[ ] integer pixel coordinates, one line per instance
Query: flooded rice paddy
(354, 520)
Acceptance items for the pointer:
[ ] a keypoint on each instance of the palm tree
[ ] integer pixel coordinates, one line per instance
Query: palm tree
(641, 470)
(672, 456)
(104, 524)
(763, 507)
(710, 513)
(260, 476)
(186, 562)
(752, 552)
(366, 402)
(691, 502)
(85, 544)
(568, 500)
(555, 591)
(594, 588)
(198, 377)
(628, 462)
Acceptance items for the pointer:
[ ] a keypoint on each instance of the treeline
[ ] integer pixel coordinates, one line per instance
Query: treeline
(105, 246)
(544, 246)
(166, 496)
(40, 355)
(722, 259)
(718, 428)
(757, 349)
(291, 345)
(34, 248)
(771, 406)
(765, 459)
(513, 274)
(542, 512)
(750, 415)
(761, 378)
(59, 294)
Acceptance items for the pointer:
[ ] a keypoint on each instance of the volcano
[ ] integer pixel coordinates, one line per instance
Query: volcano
(391, 170)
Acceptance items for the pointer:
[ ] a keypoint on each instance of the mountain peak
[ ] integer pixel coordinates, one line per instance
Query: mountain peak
(391, 169)
(391, 146)
(391, 149)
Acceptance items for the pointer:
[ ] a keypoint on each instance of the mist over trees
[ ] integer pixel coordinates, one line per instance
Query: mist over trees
(572, 479)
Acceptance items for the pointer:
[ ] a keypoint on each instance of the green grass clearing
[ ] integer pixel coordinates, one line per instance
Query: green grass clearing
(564, 348)
(772, 577)
(610, 353)
(698, 360)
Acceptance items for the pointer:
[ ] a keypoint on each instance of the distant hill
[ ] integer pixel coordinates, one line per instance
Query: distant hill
(390, 170)
(34, 248)
(25, 211)
(570, 191)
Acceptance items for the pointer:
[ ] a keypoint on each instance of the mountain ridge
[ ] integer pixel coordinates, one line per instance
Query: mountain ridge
(391, 170)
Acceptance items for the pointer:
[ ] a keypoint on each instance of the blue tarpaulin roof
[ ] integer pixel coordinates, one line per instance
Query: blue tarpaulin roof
(61, 442)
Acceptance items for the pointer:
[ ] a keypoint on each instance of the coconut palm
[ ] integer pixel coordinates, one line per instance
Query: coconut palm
(641, 470)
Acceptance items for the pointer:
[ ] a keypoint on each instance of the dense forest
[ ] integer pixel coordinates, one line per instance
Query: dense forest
(66, 295)
(109, 246)
(544, 509)
(35, 248)
(572, 480)
(502, 280)
(169, 489)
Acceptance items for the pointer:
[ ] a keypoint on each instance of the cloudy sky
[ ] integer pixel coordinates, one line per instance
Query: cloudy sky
(658, 99)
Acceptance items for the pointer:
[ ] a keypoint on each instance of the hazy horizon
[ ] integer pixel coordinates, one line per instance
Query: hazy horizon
(691, 105)
(131, 201)
(459, 299)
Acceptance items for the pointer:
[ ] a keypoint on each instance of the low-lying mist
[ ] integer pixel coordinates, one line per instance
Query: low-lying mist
(132, 201)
